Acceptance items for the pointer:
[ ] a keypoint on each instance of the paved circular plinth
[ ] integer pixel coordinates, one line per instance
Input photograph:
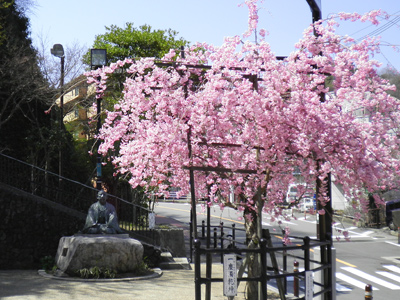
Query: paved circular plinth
(155, 274)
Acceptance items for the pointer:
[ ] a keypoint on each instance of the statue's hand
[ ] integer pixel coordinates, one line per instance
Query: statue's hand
(111, 217)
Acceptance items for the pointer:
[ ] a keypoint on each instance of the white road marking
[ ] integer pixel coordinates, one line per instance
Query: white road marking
(342, 288)
(389, 275)
(392, 268)
(352, 281)
(370, 278)
(394, 244)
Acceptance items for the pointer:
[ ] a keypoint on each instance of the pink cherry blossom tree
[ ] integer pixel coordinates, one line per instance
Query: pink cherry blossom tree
(247, 122)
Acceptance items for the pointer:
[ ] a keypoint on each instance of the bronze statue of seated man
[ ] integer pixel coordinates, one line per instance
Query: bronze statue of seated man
(102, 217)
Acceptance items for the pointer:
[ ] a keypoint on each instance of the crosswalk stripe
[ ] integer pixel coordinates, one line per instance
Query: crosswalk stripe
(389, 275)
(370, 278)
(392, 268)
(342, 288)
(352, 281)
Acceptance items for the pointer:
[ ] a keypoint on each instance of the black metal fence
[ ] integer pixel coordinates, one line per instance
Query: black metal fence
(279, 264)
(221, 236)
(69, 193)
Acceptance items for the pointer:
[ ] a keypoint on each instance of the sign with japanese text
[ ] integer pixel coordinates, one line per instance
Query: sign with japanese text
(230, 275)
(152, 220)
(309, 285)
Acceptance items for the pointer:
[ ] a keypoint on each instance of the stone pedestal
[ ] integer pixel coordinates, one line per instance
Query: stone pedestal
(116, 252)
(172, 239)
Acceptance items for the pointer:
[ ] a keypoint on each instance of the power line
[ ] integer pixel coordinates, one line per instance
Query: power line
(383, 28)
(373, 25)
(389, 23)
(388, 61)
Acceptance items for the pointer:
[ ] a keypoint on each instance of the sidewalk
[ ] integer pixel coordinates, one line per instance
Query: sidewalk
(171, 285)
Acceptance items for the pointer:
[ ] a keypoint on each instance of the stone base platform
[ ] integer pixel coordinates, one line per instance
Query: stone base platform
(116, 252)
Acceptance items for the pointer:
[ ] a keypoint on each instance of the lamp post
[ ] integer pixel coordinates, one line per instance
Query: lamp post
(315, 6)
(324, 222)
(58, 51)
(98, 58)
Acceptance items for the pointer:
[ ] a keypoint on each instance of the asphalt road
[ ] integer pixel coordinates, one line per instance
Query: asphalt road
(371, 256)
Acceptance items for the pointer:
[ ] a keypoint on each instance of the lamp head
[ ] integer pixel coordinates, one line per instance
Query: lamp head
(98, 58)
(57, 50)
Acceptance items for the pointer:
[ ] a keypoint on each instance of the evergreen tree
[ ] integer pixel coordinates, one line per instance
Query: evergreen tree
(22, 89)
(132, 42)
(26, 131)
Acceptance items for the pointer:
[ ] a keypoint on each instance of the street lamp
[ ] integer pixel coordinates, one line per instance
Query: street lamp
(324, 222)
(315, 6)
(98, 58)
(58, 51)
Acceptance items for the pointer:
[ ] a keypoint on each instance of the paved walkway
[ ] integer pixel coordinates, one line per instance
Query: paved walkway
(171, 285)
(28, 285)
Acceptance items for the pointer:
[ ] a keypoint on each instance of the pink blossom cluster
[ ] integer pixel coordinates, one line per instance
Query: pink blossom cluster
(254, 122)
(252, 5)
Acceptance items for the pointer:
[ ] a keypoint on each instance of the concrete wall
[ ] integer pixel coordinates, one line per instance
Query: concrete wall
(339, 202)
(31, 227)
(171, 239)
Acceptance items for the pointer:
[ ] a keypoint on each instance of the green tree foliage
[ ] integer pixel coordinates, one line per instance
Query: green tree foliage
(130, 42)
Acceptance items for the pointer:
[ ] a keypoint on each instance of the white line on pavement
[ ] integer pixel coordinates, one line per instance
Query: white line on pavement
(392, 268)
(353, 281)
(394, 244)
(371, 278)
(389, 275)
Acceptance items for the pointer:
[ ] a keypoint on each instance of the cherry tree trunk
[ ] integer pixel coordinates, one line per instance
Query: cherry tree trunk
(253, 225)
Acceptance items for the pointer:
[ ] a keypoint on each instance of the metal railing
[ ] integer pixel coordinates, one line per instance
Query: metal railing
(324, 287)
(277, 264)
(221, 236)
(69, 193)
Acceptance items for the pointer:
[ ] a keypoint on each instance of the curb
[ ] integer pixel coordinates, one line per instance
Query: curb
(156, 273)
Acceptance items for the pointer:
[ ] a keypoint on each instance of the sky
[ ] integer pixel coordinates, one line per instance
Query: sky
(79, 21)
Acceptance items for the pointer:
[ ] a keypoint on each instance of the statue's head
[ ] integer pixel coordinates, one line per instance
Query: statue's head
(102, 197)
